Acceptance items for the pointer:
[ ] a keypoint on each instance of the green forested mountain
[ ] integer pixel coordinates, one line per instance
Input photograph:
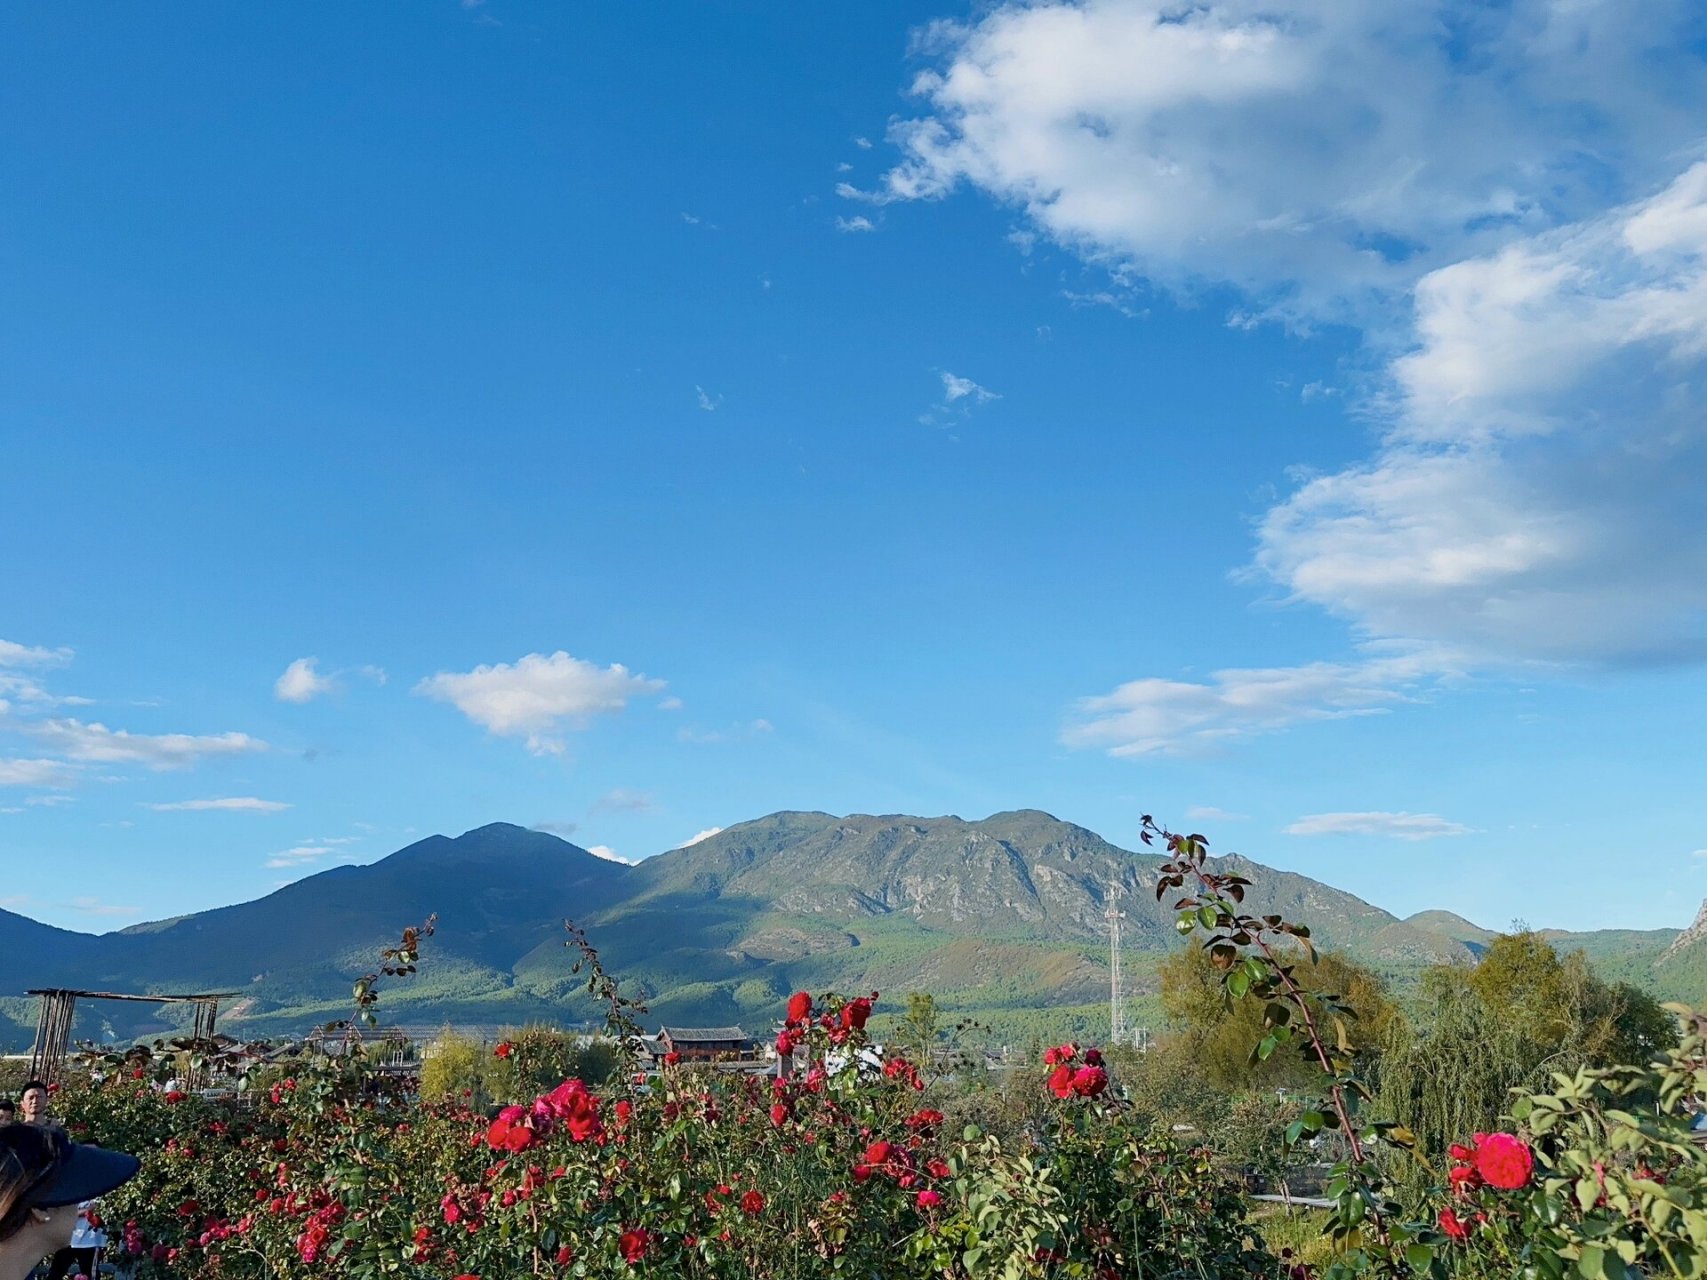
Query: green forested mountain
(1003, 919)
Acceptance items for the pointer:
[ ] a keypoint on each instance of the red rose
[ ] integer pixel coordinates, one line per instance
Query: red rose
(1088, 1082)
(1458, 1151)
(1093, 1057)
(671, 1058)
(1450, 1223)
(1061, 1082)
(633, 1244)
(799, 1007)
(785, 1043)
(504, 1049)
(1059, 1054)
(929, 1199)
(854, 1014)
(565, 1255)
(753, 1203)
(779, 1114)
(1504, 1161)
(623, 1108)
(878, 1153)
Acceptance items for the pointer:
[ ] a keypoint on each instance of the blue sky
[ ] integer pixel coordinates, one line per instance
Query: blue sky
(1284, 419)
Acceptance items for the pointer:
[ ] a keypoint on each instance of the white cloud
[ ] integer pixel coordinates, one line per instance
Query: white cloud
(1519, 234)
(706, 401)
(1161, 717)
(300, 855)
(608, 854)
(625, 800)
(1396, 826)
(51, 801)
(864, 144)
(95, 907)
(234, 804)
(955, 388)
(36, 773)
(1209, 813)
(697, 837)
(1317, 153)
(859, 222)
(301, 682)
(734, 733)
(1536, 494)
(671, 703)
(95, 742)
(13, 654)
(959, 396)
(538, 695)
(1698, 853)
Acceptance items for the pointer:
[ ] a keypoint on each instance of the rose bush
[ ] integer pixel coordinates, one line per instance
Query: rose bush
(838, 1169)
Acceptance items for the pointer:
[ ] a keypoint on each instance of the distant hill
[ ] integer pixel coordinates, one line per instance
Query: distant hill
(1003, 919)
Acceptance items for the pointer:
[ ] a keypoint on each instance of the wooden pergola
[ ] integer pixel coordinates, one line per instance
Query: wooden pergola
(59, 1007)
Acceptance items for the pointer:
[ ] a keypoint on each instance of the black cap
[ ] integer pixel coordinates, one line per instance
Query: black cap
(85, 1173)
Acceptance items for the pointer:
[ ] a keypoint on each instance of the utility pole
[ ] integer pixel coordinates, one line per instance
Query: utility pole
(1114, 915)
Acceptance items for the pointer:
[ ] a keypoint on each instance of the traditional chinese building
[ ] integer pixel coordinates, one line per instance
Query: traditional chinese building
(706, 1044)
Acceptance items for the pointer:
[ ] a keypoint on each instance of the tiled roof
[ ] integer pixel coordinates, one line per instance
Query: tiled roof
(690, 1035)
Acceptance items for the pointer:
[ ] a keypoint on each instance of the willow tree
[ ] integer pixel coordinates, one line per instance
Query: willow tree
(1453, 1075)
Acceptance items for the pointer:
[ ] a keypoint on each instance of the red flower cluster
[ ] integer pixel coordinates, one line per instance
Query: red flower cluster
(504, 1049)
(568, 1106)
(1069, 1081)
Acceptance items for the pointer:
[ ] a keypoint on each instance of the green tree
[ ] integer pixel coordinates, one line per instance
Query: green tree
(1218, 1036)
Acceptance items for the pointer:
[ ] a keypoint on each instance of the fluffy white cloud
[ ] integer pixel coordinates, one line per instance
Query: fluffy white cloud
(1319, 153)
(1536, 495)
(97, 743)
(608, 854)
(13, 654)
(859, 222)
(233, 804)
(538, 695)
(302, 682)
(1158, 717)
(36, 773)
(697, 837)
(1396, 826)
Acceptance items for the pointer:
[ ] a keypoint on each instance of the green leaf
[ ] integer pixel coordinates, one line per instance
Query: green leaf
(1419, 1255)
(1238, 982)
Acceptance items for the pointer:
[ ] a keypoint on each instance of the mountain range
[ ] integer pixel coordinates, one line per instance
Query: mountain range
(1004, 920)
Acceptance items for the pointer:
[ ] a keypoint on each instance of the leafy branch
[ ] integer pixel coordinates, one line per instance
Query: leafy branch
(1257, 957)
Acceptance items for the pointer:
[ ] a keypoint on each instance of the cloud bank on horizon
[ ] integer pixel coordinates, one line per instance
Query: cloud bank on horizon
(1510, 205)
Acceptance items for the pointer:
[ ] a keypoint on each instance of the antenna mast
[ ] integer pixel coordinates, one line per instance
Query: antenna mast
(1114, 915)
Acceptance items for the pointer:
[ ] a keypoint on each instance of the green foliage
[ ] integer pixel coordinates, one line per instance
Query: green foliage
(1217, 1033)
(454, 1067)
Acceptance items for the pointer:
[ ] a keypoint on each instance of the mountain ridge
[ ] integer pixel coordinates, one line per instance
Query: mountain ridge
(1005, 914)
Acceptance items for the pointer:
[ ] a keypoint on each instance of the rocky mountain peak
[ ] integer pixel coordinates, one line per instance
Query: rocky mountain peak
(1691, 935)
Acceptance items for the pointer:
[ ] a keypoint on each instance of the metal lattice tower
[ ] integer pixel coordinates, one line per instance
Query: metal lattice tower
(1114, 915)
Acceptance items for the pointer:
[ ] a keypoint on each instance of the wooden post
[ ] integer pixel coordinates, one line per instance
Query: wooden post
(53, 1034)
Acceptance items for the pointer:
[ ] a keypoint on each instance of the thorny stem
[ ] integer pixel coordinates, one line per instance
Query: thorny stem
(1222, 894)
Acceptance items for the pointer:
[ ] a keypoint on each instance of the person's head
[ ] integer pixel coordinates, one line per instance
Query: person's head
(44, 1176)
(32, 1101)
(8, 1111)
